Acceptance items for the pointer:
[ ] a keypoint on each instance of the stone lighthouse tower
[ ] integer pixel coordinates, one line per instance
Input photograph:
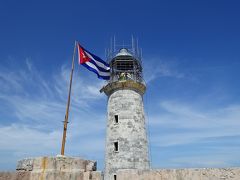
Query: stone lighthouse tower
(126, 138)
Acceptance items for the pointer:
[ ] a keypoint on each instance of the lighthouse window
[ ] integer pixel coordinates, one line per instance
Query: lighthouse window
(116, 146)
(124, 65)
(116, 119)
(115, 177)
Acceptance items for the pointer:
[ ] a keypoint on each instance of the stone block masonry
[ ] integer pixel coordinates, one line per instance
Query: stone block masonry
(14, 175)
(180, 174)
(53, 168)
(59, 163)
(129, 174)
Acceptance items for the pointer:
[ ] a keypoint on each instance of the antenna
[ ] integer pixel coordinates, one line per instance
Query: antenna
(114, 44)
(133, 45)
(110, 46)
(137, 53)
(106, 53)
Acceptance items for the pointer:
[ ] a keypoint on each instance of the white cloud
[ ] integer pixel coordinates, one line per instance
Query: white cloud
(39, 97)
(20, 141)
(185, 124)
(38, 103)
(202, 161)
(161, 68)
(22, 138)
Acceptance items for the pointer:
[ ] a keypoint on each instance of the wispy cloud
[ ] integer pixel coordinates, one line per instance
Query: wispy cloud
(34, 105)
(37, 103)
(161, 68)
(191, 124)
(24, 139)
(203, 161)
(183, 134)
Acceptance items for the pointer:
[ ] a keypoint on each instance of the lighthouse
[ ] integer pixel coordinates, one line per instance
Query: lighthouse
(126, 136)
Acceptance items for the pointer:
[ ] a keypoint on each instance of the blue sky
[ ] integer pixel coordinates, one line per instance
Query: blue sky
(191, 62)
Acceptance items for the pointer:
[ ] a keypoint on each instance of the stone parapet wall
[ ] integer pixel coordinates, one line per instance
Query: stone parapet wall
(56, 175)
(59, 163)
(131, 174)
(69, 168)
(53, 168)
(180, 174)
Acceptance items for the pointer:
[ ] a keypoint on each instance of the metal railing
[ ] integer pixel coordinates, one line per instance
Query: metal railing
(124, 76)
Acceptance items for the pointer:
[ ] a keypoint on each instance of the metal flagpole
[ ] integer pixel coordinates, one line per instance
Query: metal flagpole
(68, 104)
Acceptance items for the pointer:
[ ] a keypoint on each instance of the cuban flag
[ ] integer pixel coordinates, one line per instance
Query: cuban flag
(93, 63)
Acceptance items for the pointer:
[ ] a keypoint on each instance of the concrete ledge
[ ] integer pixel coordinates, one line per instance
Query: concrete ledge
(59, 163)
(125, 84)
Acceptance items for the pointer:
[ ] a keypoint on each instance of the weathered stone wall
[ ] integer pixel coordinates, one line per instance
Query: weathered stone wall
(14, 175)
(130, 174)
(129, 132)
(180, 174)
(60, 163)
(56, 175)
(53, 168)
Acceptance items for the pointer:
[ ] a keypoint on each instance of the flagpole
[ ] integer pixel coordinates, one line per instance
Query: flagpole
(68, 104)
